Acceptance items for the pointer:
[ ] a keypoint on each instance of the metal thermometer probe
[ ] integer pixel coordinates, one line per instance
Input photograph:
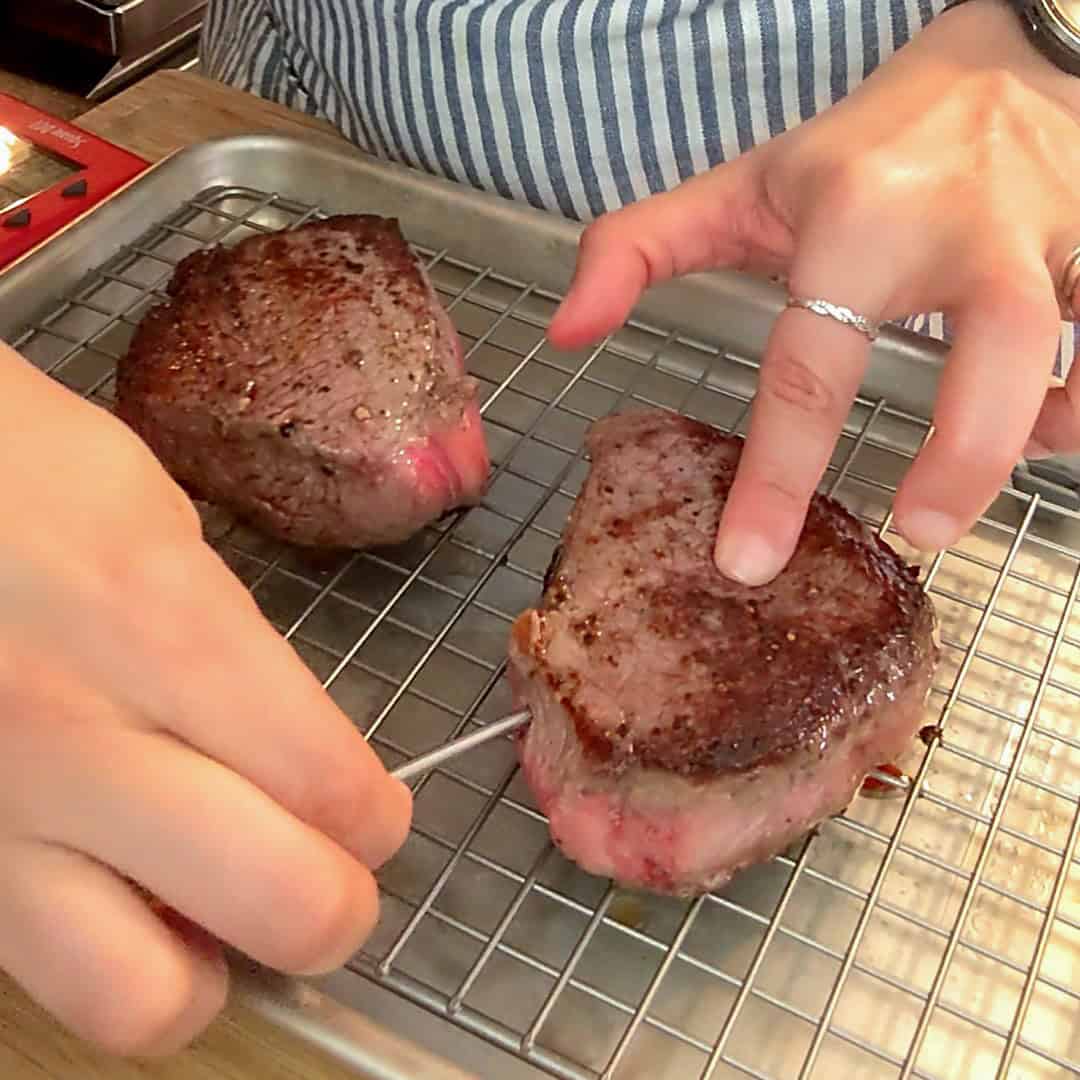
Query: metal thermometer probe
(423, 763)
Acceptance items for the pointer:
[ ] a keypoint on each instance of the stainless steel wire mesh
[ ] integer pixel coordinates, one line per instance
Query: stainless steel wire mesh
(936, 935)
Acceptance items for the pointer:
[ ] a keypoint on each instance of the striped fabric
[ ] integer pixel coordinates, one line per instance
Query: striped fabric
(576, 106)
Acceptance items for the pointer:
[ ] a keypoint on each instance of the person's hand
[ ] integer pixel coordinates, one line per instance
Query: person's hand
(157, 736)
(946, 182)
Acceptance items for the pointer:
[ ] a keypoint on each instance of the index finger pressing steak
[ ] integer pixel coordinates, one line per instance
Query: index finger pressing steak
(685, 726)
(310, 381)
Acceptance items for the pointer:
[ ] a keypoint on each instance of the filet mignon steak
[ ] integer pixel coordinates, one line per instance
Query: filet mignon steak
(311, 382)
(685, 726)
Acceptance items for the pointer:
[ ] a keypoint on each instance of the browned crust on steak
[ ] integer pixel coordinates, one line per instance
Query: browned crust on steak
(271, 299)
(311, 382)
(663, 663)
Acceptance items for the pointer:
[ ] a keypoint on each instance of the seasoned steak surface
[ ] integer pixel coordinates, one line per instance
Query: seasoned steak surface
(663, 662)
(311, 381)
(683, 726)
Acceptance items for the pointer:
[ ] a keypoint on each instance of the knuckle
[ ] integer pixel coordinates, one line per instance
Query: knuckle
(624, 234)
(151, 597)
(1035, 309)
(159, 569)
(141, 1018)
(394, 823)
(187, 517)
(599, 233)
(336, 799)
(152, 576)
(323, 918)
(1024, 294)
(790, 380)
(400, 823)
(854, 183)
(971, 452)
(134, 461)
(786, 492)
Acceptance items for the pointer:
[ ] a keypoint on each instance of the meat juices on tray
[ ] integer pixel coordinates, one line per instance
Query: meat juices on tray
(684, 726)
(311, 382)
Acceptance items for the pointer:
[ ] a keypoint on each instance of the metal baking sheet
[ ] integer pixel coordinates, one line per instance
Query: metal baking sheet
(932, 936)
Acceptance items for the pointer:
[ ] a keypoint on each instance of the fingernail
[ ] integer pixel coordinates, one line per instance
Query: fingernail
(1035, 451)
(749, 560)
(929, 530)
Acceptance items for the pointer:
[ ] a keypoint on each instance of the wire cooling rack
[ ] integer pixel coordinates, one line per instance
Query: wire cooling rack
(933, 935)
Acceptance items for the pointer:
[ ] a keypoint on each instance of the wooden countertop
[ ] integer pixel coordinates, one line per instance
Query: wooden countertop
(163, 113)
(173, 109)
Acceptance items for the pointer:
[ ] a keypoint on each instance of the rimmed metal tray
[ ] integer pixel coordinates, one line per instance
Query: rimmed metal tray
(936, 935)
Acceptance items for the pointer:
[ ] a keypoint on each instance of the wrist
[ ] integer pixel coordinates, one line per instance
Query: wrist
(992, 34)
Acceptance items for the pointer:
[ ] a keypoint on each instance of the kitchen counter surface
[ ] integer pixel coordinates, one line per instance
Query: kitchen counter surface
(163, 113)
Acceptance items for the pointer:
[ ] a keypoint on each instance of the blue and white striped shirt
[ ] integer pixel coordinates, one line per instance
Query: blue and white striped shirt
(576, 106)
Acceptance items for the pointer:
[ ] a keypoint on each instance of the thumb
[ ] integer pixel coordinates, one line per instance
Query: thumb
(717, 219)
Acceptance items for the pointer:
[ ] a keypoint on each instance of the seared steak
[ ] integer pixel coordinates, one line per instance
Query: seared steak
(311, 382)
(685, 726)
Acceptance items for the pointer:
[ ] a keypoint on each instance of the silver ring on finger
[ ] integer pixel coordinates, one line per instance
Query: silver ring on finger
(1070, 278)
(838, 313)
